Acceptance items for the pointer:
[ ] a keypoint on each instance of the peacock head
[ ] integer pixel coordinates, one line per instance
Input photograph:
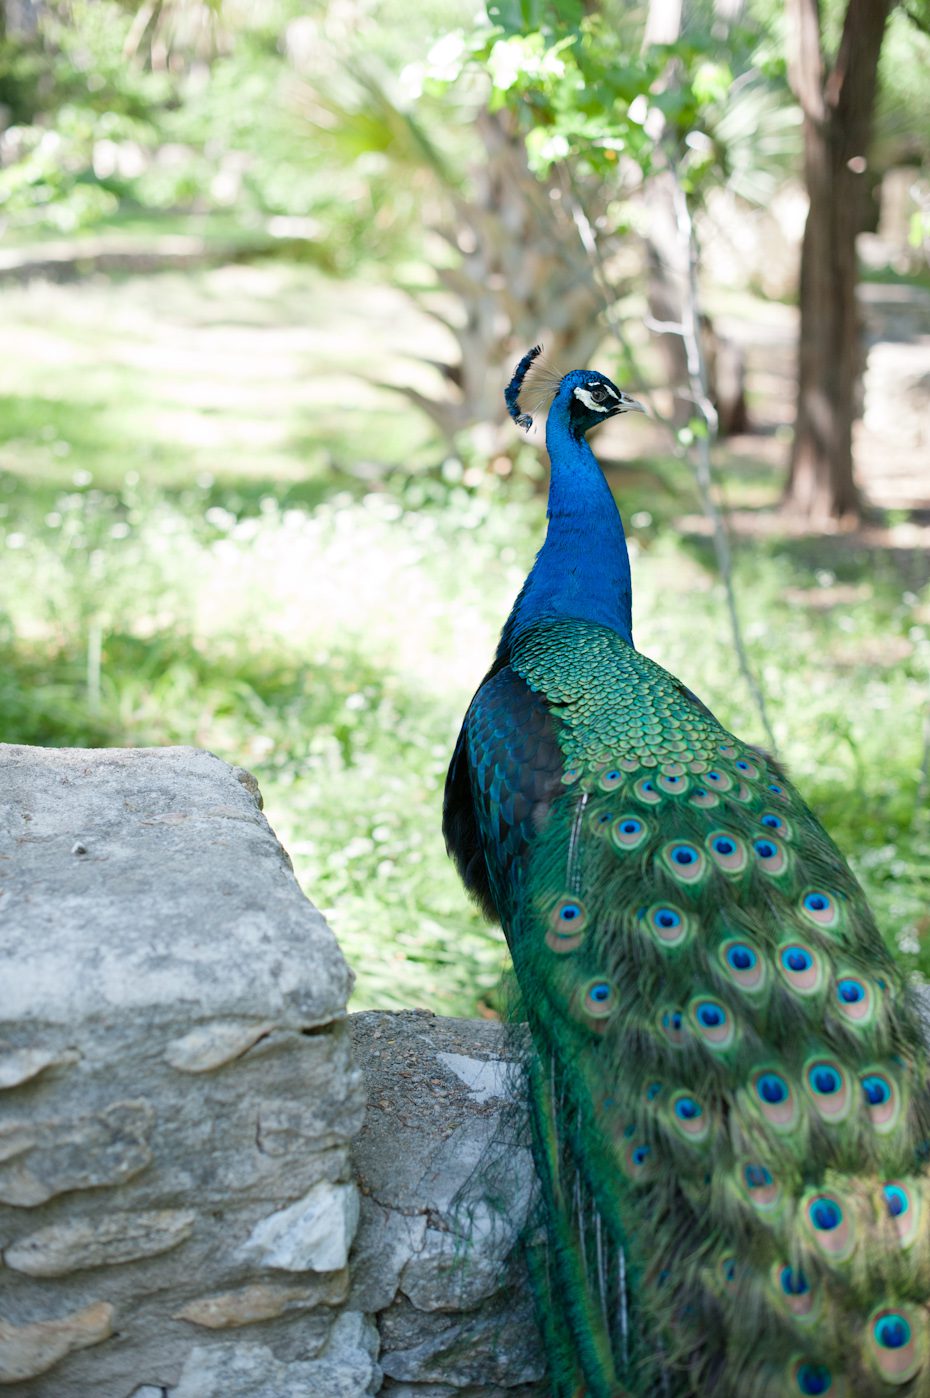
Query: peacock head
(589, 398)
(585, 396)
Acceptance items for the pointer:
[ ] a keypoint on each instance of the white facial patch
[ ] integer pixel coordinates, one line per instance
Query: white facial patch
(584, 396)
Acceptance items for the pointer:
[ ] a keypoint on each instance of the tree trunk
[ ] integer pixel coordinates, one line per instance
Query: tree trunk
(19, 19)
(838, 107)
(522, 274)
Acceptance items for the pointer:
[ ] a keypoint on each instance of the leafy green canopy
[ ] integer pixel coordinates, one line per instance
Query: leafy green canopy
(588, 91)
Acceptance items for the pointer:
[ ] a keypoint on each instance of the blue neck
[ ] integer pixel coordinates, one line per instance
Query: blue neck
(583, 569)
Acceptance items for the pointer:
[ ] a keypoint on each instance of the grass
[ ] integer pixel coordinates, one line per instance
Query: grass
(273, 565)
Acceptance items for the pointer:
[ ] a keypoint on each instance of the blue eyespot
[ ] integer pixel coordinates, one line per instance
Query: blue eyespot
(714, 776)
(757, 1176)
(600, 992)
(723, 846)
(700, 794)
(687, 1109)
(729, 1270)
(825, 1215)
(672, 780)
(640, 1154)
(773, 786)
(876, 1090)
(741, 958)
(816, 902)
(796, 959)
(612, 776)
(774, 822)
(814, 1379)
(684, 854)
(667, 917)
(676, 1020)
(743, 766)
(653, 1090)
(710, 1015)
(892, 1332)
(569, 912)
(826, 1080)
(850, 991)
(794, 1283)
(764, 849)
(772, 1089)
(630, 827)
(896, 1200)
(604, 817)
(649, 786)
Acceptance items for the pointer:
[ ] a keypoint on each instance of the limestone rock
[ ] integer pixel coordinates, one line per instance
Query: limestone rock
(45, 1158)
(175, 846)
(346, 1368)
(487, 1079)
(28, 1350)
(313, 1234)
(387, 1240)
(494, 1344)
(264, 1301)
(447, 1184)
(211, 1045)
(19, 1065)
(175, 1069)
(100, 1242)
(178, 1098)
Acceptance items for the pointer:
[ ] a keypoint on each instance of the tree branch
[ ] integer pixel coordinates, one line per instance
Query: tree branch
(805, 57)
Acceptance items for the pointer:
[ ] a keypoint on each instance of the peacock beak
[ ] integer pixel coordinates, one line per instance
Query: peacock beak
(631, 405)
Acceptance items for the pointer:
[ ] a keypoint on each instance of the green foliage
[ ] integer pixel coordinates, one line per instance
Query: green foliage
(587, 91)
(255, 591)
(247, 634)
(97, 133)
(68, 91)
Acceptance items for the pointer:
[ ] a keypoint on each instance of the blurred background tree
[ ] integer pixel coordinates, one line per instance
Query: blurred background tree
(266, 265)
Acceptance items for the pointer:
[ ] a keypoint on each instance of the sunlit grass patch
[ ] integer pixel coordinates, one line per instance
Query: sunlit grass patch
(333, 652)
(322, 612)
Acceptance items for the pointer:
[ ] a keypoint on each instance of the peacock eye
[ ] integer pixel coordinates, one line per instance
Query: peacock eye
(598, 392)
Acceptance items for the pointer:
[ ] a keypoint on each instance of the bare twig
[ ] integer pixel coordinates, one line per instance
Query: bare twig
(923, 786)
(663, 327)
(697, 374)
(699, 454)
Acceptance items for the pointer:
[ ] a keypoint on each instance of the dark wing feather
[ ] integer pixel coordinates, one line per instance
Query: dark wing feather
(505, 771)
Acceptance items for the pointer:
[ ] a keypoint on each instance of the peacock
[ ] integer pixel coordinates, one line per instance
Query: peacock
(728, 1086)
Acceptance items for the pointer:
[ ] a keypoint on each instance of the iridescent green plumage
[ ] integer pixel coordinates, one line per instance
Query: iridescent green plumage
(728, 1093)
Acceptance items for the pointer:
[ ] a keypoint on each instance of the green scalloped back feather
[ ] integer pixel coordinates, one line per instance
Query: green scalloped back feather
(736, 1067)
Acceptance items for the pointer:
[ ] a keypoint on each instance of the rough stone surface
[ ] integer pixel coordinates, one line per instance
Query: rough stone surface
(180, 1214)
(175, 1071)
(346, 1367)
(447, 1185)
(33, 1348)
(312, 1235)
(264, 1301)
(174, 845)
(101, 1242)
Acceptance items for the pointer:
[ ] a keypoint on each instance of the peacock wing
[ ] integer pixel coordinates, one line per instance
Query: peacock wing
(506, 771)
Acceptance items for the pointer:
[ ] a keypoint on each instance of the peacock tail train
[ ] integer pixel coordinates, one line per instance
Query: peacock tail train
(728, 1094)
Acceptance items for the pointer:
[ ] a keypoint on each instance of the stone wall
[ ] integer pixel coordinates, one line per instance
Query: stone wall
(179, 1211)
(446, 1183)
